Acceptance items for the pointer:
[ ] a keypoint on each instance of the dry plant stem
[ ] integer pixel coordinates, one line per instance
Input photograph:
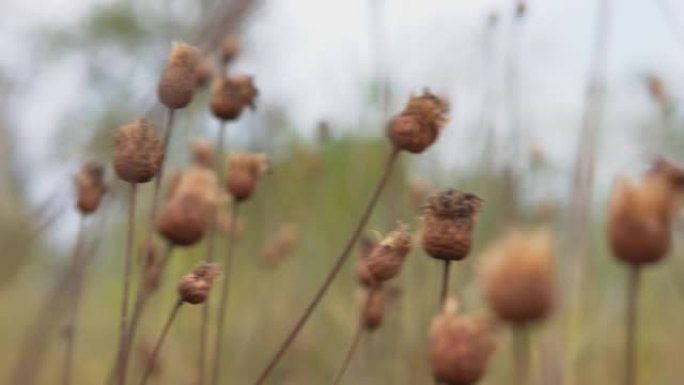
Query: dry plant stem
(446, 272)
(391, 160)
(123, 324)
(204, 323)
(521, 354)
(355, 342)
(223, 300)
(160, 341)
(631, 361)
(166, 135)
(72, 323)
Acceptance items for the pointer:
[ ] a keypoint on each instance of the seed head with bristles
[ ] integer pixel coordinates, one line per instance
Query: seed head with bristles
(194, 287)
(418, 125)
(244, 169)
(387, 258)
(178, 81)
(231, 94)
(138, 152)
(90, 187)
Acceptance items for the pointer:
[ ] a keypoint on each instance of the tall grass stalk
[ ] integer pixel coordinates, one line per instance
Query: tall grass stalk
(444, 292)
(631, 361)
(520, 342)
(160, 341)
(356, 233)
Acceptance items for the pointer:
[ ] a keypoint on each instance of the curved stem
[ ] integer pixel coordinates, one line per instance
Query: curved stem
(631, 361)
(160, 341)
(223, 301)
(355, 342)
(521, 354)
(72, 323)
(444, 293)
(391, 159)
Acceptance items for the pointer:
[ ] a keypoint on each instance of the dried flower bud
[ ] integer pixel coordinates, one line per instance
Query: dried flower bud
(203, 153)
(374, 311)
(195, 286)
(204, 71)
(231, 94)
(178, 81)
(460, 347)
(387, 258)
(229, 49)
(418, 125)
(244, 169)
(138, 152)
(447, 224)
(90, 187)
(518, 276)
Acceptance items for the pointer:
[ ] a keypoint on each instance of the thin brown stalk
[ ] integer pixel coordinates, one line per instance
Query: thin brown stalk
(123, 324)
(360, 327)
(444, 293)
(520, 341)
(341, 259)
(160, 342)
(76, 292)
(204, 323)
(631, 362)
(223, 300)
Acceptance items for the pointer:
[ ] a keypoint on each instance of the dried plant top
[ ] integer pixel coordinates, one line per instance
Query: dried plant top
(201, 183)
(202, 152)
(398, 239)
(138, 152)
(184, 54)
(250, 162)
(453, 204)
(231, 94)
(90, 187)
(207, 271)
(387, 258)
(431, 110)
(195, 286)
(418, 125)
(518, 275)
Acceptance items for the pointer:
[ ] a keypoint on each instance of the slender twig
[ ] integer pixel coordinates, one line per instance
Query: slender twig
(520, 342)
(391, 159)
(631, 361)
(209, 257)
(70, 327)
(360, 327)
(444, 293)
(123, 325)
(223, 300)
(160, 341)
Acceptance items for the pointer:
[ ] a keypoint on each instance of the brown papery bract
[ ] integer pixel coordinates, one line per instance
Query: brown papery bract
(90, 187)
(387, 258)
(231, 94)
(138, 152)
(194, 287)
(418, 125)
(178, 81)
(244, 169)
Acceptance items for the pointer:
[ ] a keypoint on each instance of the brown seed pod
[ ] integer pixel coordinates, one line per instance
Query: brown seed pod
(374, 311)
(194, 287)
(229, 49)
(231, 94)
(518, 276)
(204, 71)
(387, 258)
(447, 224)
(244, 169)
(138, 152)
(460, 347)
(418, 125)
(178, 81)
(640, 218)
(203, 152)
(90, 187)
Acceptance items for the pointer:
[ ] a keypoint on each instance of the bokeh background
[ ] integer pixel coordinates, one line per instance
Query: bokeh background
(532, 94)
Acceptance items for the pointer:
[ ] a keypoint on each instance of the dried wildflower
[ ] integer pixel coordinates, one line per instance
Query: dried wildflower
(90, 187)
(203, 152)
(195, 286)
(387, 258)
(179, 80)
(229, 49)
(231, 94)
(204, 71)
(447, 224)
(244, 169)
(518, 276)
(460, 347)
(138, 152)
(419, 124)
(374, 311)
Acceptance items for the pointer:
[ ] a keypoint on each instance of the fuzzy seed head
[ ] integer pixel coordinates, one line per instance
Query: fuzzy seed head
(203, 152)
(178, 81)
(418, 125)
(194, 287)
(90, 187)
(244, 169)
(518, 276)
(229, 49)
(231, 94)
(447, 224)
(138, 152)
(387, 258)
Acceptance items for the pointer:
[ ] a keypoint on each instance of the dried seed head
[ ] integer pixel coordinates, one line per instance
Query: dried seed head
(363, 274)
(203, 152)
(281, 245)
(204, 71)
(138, 152)
(387, 258)
(640, 218)
(90, 187)
(418, 125)
(244, 169)
(460, 347)
(229, 49)
(447, 224)
(231, 94)
(374, 311)
(518, 276)
(195, 286)
(178, 81)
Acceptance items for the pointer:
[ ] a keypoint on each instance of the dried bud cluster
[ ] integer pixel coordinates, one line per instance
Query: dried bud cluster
(179, 80)
(447, 224)
(419, 124)
(195, 286)
(90, 187)
(460, 347)
(203, 152)
(244, 169)
(231, 94)
(138, 152)
(184, 218)
(387, 258)
(229, 49)
(518, 276)
(281, 245)
(641, 212)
